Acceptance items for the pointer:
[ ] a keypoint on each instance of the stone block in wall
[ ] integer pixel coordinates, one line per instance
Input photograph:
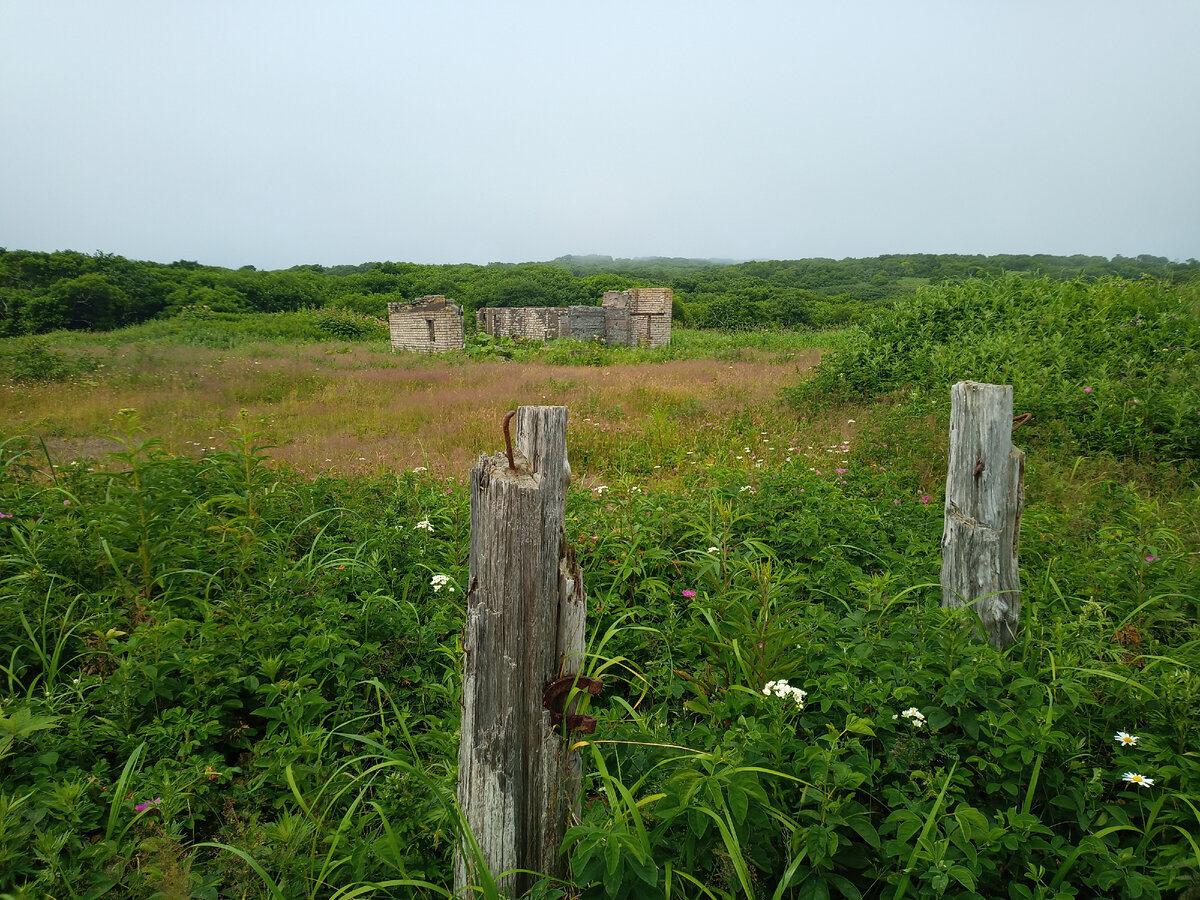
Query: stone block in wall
(616, 326)
(587, 323)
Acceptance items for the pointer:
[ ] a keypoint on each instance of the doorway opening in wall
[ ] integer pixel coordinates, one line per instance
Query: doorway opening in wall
(432, 336)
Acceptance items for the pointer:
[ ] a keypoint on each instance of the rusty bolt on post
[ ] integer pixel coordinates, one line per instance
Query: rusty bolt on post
(554, 699)
(508, 440)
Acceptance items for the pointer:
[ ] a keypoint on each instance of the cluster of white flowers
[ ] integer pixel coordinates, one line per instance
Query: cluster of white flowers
(600, 489)
(441, 581)
(424, 525)
(419, 469)
(714, 549)
(1125, 739)
(785, 691)
(746, 488)
(914, 715)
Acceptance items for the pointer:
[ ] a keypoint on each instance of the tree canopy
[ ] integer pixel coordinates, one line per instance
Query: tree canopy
(42, 291)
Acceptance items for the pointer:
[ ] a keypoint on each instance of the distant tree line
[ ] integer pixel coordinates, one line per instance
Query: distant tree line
(42, 292)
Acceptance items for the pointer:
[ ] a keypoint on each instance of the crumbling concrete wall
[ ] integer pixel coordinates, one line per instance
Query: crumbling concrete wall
(535, 323)
(586, 323)
(432, 324)
(636, 318)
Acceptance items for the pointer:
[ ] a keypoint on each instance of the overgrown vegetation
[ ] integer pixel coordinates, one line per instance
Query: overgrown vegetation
(43, 292)
(222, 676)
(1105, 367)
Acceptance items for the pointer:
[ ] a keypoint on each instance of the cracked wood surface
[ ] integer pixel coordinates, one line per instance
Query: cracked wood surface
(985, 495)
(517, 783)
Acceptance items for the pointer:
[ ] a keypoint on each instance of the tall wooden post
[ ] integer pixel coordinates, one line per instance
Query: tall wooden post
(517, 784)
(985, 493)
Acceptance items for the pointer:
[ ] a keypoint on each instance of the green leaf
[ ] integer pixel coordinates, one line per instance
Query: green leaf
(613, 877)
(864, 829)
(739, 803)
(845, 887)
(858, 725)
(816, 843)
(646, 870)
(698, 705)
(612, 856)
(813, 888)
(963, 876)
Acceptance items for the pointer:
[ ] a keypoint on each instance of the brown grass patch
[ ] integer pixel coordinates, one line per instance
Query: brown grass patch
(363, 410)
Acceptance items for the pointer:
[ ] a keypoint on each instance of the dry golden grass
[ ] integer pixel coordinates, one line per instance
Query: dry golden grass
(357, 409)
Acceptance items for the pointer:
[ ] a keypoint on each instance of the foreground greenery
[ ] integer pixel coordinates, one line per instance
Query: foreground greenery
(221, 677)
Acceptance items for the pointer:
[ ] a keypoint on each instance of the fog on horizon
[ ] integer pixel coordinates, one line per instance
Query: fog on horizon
(281, 134)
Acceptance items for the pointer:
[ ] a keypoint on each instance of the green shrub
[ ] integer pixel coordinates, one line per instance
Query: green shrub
(346, 325)
(29, 359)
(1109, 365)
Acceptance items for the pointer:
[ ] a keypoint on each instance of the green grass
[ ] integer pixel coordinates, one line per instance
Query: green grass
(257, 657)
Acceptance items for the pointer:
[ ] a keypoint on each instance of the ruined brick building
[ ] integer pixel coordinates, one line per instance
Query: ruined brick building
(640, 317)
(635, 318)
(432, 324)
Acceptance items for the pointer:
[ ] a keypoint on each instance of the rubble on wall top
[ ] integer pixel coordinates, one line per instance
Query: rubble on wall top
(428, 303)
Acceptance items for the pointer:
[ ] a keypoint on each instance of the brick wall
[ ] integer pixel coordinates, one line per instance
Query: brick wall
(431, 324)
(535, 323)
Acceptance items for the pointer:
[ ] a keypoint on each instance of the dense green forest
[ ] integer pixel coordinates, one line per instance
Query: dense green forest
(41, 292)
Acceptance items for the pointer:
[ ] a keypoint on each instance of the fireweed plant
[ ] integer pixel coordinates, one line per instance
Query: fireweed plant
(221, 677)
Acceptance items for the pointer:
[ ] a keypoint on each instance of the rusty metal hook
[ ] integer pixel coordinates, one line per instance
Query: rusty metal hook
(1020, 420)
(554, 699)
(508, 441)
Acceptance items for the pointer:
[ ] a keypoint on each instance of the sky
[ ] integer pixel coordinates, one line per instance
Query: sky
(275, 134)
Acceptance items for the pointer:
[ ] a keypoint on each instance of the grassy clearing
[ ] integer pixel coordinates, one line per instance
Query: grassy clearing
(341, 407)
(235, 674)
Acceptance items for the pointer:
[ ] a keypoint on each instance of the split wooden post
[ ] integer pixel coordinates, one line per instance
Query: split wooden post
(517, 783)
(985, 493)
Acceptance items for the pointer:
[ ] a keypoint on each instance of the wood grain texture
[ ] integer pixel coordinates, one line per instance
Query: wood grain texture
(517, 784)
(984, 499)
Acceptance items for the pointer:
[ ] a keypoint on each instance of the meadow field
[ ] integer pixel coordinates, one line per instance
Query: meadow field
(233, 552)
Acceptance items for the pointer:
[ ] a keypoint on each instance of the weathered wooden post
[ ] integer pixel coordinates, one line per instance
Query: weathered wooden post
(524, 631)
(985, 493)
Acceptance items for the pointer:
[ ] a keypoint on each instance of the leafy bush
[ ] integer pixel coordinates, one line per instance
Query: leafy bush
(27, 359)
(1109, 365)
(346, 325)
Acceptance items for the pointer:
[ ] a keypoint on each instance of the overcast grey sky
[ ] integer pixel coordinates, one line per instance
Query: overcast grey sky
(278, 133)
